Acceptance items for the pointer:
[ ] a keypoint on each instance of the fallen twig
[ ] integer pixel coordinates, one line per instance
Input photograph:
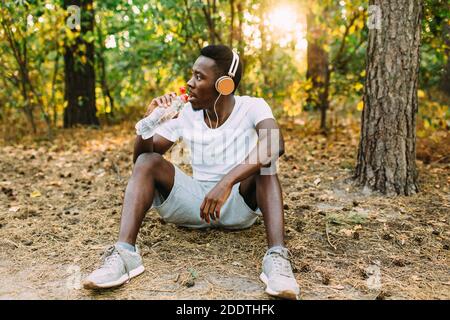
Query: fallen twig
(328, 237)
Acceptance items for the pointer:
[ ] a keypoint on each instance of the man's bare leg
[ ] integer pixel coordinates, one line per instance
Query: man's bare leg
(150, 171)
(264, 191)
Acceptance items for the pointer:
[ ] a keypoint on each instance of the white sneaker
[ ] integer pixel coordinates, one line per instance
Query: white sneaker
(277, 274)
(119, 266)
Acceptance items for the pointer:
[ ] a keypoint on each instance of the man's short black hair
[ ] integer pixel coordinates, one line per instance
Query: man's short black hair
(223, 56)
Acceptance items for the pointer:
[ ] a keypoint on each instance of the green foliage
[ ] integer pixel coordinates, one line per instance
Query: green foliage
(145, 48)
(435, 42)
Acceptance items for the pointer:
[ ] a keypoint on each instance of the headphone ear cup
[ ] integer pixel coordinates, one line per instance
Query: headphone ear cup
(225, 85)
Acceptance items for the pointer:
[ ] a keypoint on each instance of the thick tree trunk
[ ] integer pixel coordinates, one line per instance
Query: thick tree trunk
(79, 71)
(318, 69)
(387, 148)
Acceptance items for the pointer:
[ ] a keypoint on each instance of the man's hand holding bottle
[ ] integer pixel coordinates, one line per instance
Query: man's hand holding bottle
(166, 100)
(160, 110)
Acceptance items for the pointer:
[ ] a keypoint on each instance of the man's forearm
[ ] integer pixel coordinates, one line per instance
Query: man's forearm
(261, 156)
(142, 146)
(241, 172)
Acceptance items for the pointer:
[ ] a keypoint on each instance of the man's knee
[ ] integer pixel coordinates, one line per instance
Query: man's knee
(256, 179)
(148, 163)
(261, 178)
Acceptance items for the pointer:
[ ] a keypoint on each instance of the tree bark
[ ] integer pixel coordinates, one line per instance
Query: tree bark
(79, 71)
(387, 148)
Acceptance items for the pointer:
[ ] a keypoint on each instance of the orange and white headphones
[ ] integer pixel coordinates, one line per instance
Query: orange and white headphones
(225, 85)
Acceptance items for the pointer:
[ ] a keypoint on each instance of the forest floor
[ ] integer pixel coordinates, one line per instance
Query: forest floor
(60, 208)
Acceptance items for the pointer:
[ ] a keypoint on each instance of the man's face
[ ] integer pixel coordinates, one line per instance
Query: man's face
(202, 92)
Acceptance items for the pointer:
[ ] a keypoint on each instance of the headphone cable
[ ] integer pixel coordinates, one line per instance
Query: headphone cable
(215, 112)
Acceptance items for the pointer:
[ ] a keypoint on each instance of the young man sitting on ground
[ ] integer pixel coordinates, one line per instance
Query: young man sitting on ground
(233, 150)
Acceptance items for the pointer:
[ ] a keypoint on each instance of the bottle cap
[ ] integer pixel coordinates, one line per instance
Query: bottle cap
(184, 97)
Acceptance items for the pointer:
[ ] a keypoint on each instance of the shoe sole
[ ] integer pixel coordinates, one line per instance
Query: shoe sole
(285, 294)
(123, 279)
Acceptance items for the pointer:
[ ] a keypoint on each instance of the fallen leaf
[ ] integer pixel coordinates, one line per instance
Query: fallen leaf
(347, 232)
(35, 194)
(55, 183)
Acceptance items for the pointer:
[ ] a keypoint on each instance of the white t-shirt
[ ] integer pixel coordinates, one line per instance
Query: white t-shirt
(214, 152)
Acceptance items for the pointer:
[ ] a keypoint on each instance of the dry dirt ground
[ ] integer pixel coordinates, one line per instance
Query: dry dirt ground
(60, 208)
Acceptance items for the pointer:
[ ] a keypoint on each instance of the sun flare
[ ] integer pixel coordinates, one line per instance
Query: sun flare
(288, 26)
(283, 19)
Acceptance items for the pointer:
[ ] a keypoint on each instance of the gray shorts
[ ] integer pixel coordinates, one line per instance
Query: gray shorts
(182, 206)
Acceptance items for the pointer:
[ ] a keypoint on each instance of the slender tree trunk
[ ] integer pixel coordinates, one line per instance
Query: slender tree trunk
(209, 11)
(317, 69)
(193, 37)
(241, 45)
(231, 38)
(79, 71)
(28, 110)
(445, 81)
(103, 77)
(52, 99)
(19, 49)
(387, 148)
(263, 54)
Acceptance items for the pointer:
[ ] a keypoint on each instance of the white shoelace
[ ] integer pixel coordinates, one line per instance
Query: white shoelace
(281, 264)
(110, 258)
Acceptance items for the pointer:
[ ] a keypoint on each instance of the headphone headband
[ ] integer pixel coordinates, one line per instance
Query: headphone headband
(225, 84)
(234, 65)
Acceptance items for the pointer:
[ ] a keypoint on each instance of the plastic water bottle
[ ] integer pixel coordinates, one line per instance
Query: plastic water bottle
(147, 126)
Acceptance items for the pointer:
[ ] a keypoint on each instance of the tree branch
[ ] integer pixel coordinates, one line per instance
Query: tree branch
(344, 38)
